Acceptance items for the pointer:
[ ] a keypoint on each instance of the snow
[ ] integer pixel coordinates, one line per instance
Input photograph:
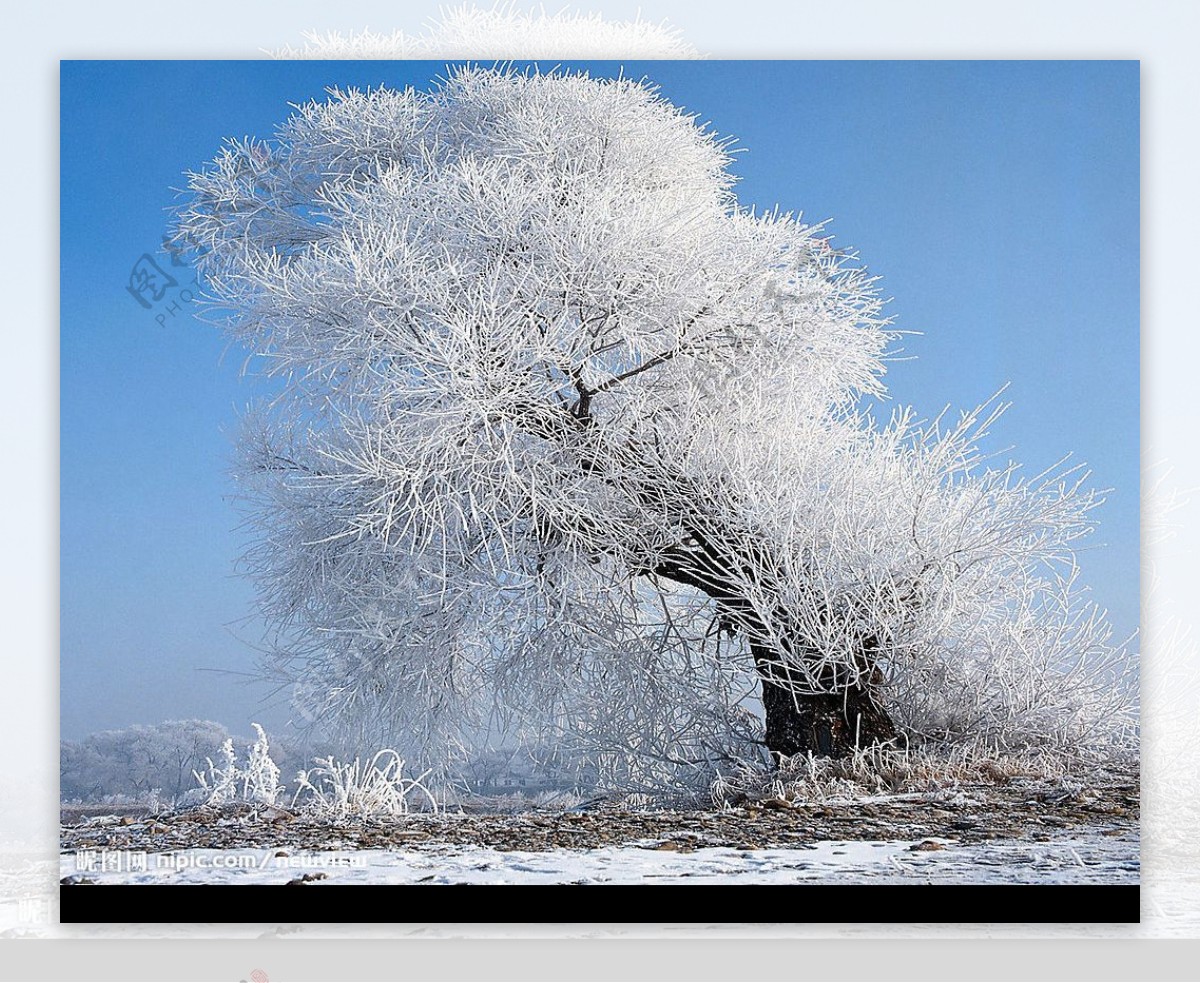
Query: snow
(1068, 860)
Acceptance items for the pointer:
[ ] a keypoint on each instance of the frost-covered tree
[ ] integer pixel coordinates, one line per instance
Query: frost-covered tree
(503, 30)
(564, 436)
(137, 761)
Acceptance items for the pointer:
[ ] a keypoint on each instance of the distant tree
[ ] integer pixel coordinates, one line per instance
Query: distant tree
(138, 760)
(563, 432)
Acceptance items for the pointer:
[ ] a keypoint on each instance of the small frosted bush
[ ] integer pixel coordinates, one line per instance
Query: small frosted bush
(230, 783)
(358, 789)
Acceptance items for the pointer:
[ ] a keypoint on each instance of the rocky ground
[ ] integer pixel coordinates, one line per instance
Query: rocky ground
(1024, 809)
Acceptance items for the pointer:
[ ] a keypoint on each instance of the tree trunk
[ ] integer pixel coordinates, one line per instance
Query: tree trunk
(826, 724)
(831, 724)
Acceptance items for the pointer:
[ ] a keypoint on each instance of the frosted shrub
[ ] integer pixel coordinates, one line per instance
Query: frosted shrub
(356, 789)
(805, 778)
(230, 783)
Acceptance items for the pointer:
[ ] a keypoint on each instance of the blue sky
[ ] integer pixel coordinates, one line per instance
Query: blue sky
(997, 200)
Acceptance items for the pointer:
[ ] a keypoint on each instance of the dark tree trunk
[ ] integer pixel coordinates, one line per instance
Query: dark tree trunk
(831, 724)
(826, 724)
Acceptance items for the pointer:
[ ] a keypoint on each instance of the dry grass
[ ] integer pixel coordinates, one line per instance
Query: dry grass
(888, 771)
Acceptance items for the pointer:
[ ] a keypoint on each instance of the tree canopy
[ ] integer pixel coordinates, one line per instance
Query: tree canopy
(565, 441)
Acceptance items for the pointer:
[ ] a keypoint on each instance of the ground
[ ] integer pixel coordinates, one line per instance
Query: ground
(1023, 829)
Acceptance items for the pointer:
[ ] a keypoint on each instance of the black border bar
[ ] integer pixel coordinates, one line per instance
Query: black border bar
(602, 903)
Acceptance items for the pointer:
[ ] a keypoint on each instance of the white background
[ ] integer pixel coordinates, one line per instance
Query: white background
(1162, 34)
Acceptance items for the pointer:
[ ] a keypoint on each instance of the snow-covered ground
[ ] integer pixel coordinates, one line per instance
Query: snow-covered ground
(1171, 889)
(1076, 859)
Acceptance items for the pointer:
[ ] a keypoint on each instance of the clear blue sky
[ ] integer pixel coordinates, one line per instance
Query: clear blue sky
(998, 201)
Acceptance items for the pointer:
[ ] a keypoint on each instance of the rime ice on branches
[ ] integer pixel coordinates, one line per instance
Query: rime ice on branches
(566, 442)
